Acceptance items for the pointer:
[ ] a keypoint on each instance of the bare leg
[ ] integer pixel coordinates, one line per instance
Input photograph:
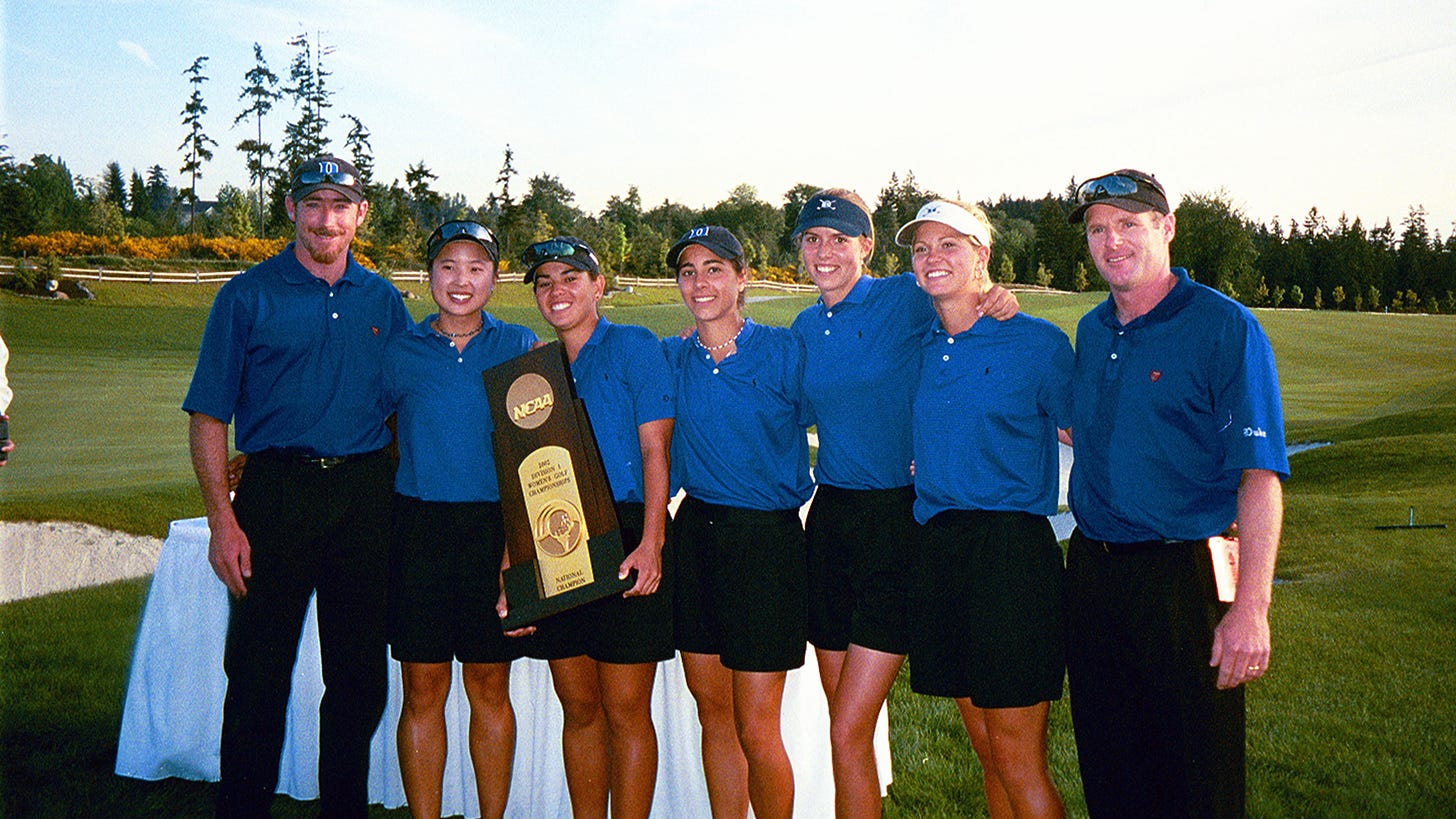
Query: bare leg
(627, 698)
(830, 665)
(864, 683)
(420, 737)
(1011, 743)
(724, 766)
(492, 733)
(758, 698)
(583, 735)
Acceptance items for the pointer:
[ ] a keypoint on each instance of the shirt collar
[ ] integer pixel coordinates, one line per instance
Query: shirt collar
(856, 295)
(424, 330)
(598, 333)
(293, 271)
(749, 327)
(983, 326)
(1167, 308)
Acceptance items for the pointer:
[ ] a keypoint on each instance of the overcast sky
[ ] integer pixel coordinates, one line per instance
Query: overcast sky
(1347, 106)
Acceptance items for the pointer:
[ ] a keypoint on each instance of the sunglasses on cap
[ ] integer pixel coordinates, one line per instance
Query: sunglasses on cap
(555, 250)
(307, 178)
(1114, 185)
(462, 229)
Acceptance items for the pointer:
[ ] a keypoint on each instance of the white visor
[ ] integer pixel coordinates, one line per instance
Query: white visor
(949, 214)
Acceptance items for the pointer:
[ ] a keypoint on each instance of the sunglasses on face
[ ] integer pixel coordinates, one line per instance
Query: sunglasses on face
(554, 250)
(1110, 186)
(307, 178)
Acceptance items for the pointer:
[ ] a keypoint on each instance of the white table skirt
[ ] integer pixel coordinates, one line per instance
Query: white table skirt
(172, 719)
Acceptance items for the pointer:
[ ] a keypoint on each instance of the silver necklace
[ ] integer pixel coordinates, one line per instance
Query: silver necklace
(716, 347)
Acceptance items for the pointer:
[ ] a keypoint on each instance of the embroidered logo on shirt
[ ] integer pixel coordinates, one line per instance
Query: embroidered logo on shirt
(374, 330)
(1155, 375)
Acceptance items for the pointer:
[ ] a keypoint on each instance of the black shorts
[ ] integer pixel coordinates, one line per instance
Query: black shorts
(444, 581)
(861, 555)
(740, 585)
(614, 629)
(988, 610)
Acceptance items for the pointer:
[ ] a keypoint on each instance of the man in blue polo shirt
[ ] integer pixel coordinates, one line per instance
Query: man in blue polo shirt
(1179, 433)
(292, 358)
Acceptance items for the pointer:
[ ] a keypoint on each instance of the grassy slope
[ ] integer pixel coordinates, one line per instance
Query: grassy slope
(1354, 719)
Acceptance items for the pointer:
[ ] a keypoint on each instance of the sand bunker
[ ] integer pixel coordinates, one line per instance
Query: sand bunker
(41, 558)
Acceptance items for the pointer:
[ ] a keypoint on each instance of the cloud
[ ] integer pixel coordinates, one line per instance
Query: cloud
(137, 51)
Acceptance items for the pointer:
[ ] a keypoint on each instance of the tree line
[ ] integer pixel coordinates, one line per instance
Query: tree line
(1304, 263)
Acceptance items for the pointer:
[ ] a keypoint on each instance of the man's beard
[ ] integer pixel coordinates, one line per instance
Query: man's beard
(324, 248)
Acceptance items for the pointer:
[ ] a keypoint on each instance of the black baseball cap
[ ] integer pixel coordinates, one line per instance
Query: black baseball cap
(1127, 189)
(719, 240)
(568, 250)
(329, 172)
(457, 230)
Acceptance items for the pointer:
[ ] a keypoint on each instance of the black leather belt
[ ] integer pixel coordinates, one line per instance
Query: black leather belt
(303, 457)
(1114, 548)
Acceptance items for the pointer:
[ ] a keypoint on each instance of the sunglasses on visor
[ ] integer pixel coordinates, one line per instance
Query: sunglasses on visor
(554, 250)
(454, 230)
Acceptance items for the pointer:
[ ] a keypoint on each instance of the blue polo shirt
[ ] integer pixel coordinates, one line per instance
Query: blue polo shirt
(444, 418)
(987, 410)
(292, 361)
(623, 378)
(1168, 410)
(739, 436)
(859, 378)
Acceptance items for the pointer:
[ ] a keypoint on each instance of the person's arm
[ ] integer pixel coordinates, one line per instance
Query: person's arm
(998, 303)
(1241, 641)
(227, 548)
(9, 445)
(654, 437)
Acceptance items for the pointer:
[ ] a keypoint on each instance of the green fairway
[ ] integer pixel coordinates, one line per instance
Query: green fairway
(1352, 720)
(99, 386)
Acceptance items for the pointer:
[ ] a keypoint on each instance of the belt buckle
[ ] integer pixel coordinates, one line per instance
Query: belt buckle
(329, 463)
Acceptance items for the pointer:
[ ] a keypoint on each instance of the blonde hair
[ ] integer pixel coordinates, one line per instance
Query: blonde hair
(979, 215)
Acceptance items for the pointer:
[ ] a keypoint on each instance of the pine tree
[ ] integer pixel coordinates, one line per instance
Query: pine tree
(140, 206)
(427, 202)
(1007, 273)
(1043, 276)
(356, 144)
(160, 193)
(258, 91)
(113, 186)
(197, 146)
(304, 138)
(500, 207)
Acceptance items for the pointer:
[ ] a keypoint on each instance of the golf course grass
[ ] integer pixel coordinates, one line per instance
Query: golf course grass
(1353, 718)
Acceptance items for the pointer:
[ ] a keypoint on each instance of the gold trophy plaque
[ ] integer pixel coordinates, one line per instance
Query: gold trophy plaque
(561, 525)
